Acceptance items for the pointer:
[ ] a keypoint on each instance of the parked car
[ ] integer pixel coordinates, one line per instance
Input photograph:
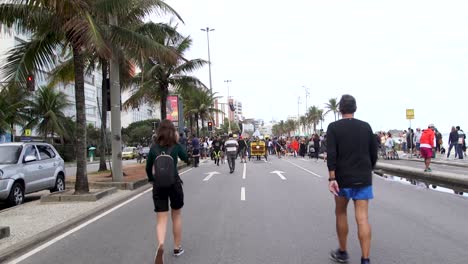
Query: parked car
(129, 153)
(27, 168)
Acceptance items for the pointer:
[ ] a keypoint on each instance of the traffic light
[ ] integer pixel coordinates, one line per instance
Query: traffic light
(30, 83)
(210, 126)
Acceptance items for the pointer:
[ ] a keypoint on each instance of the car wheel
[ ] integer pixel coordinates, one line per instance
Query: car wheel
(16, 196)
(59, 184)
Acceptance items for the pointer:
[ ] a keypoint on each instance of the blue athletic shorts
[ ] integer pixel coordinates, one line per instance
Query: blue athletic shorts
(357, 193)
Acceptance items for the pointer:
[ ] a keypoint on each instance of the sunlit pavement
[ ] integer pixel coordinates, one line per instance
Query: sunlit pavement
(273, 212)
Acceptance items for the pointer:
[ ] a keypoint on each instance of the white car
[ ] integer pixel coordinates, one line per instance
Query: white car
(27, 168)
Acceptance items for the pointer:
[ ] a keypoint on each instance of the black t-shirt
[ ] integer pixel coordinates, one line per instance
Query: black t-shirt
(242, 144)
(216, 145)
(352, 152)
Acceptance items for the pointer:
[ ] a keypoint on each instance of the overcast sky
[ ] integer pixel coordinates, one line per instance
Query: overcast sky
(391, 55)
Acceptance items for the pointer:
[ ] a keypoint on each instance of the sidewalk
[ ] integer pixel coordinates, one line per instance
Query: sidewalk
(439, 159)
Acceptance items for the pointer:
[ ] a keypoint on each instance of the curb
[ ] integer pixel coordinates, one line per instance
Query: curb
(24, 246)
(440, 162)
(444, 179)
(65, 197)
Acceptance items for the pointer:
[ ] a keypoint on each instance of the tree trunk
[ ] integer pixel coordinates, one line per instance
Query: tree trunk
(103, 142)
(203, 125)
(198, 126)
(12, 130)
(164, 94)
(81, 184)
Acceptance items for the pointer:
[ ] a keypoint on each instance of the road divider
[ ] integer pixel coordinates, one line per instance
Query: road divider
(444, 179)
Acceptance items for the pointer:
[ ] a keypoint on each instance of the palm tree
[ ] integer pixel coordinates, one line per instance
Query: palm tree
(290, 125)
(303, 122)
(13, 103)
(60, 24)
(47, 108)
(332, 106)
(157, 76)
(321, 117)
(313, 116)
(199, 102)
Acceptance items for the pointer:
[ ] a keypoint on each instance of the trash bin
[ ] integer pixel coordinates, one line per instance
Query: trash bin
(91, 151)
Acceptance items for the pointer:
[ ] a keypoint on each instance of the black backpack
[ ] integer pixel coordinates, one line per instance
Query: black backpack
(163, 169)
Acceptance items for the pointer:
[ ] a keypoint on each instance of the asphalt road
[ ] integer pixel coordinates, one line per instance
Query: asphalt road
(287, 220)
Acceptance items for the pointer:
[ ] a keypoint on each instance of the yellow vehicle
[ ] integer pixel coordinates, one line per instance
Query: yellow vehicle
(129, 153)
(258, 149)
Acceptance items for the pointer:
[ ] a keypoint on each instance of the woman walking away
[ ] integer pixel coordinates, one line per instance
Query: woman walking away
(161, 169)
(316, 146)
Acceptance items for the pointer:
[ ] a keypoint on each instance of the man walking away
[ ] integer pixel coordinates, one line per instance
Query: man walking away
(242, 149)
(453, 142)
(231, 146)
(461, 142)
(196, 151)
(427, 144)
(352, 155)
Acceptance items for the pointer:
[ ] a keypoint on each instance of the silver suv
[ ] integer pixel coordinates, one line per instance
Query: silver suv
(27, 168)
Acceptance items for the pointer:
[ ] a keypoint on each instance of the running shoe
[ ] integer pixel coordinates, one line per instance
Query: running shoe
(178, 252)
(365, 261)
(339, 256)
(429, 170)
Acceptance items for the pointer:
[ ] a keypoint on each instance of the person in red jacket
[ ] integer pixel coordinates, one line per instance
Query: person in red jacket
(295, 146)
(427, 144)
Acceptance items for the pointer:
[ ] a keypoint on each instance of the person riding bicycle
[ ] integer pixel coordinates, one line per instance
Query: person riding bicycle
(216, 145)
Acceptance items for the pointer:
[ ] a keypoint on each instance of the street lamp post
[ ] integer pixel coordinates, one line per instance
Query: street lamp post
(229, 106)
(307, 93)
(208, 30)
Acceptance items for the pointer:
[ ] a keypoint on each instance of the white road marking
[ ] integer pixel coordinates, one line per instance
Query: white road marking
(182, 173)
(210, 174)
(304, 169)
(244, 174)
(280, 174)
(243, 194)
(64, 235)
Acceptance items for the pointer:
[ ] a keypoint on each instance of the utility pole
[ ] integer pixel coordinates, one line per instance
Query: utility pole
(307, 93)
(116, 126)
(229, 106)
(208, 30)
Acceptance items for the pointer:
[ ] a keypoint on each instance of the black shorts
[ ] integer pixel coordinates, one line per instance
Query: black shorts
(161, 197)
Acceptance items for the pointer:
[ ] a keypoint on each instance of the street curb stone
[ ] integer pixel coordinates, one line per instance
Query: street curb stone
(439, 162)
(24, 246)
(4, 231)
(65, 197)
(444, 179)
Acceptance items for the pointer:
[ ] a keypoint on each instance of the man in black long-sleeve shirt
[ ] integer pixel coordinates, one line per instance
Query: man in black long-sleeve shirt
(352, 155)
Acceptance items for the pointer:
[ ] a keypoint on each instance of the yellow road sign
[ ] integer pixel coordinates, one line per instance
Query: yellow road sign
(27, 132)
(409, 114)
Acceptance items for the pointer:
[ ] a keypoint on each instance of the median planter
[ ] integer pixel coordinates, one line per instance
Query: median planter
(136, 178)
(4, 232)
(68, 196)
(444, 179)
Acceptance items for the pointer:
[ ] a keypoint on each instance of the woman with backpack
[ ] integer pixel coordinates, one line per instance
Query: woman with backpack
(161, 169)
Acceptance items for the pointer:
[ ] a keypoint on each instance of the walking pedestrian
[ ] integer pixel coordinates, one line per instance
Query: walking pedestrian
(352, 155)
(461, 142)
(196, 151)
(316, 140)
(161, 169)
(242, 149)
(427, 144)
(231, 147)
(453, 142)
